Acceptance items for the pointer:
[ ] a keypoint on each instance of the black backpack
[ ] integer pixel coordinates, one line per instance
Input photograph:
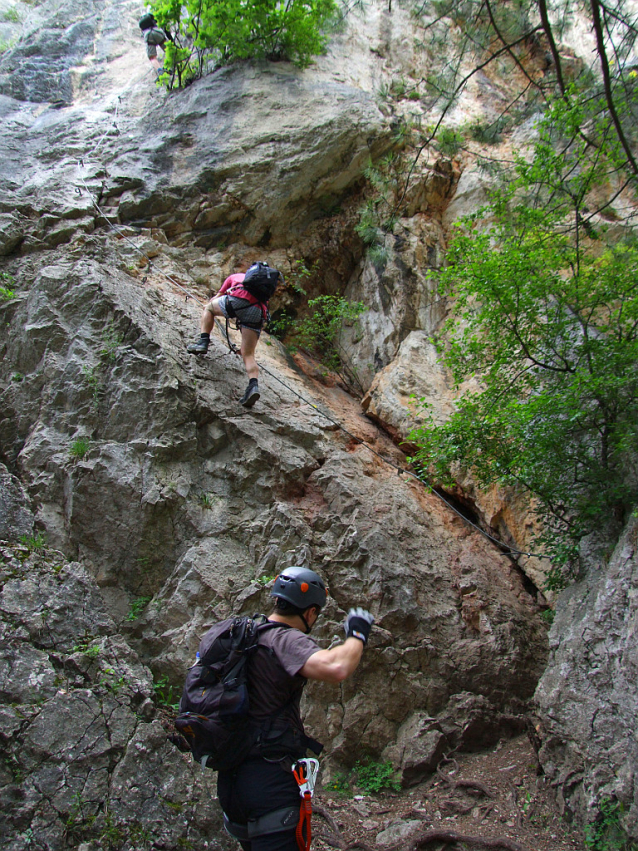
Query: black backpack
(147, 22)
(261, 281)
(213, 717)
(214, 706)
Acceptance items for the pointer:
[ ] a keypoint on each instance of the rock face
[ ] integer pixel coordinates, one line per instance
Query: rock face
(134, 459)
(141, 464)
(85, 756)
(587, 697)
(15, 518)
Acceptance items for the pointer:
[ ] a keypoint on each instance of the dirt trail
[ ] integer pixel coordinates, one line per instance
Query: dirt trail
(495, 796)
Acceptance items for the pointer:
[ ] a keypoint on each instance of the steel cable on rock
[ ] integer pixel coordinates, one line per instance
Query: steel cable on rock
(503, 548)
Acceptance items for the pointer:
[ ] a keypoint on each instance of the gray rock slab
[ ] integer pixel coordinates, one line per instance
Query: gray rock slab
(588, 695)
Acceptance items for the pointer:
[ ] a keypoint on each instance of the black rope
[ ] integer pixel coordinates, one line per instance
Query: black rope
(508, 551)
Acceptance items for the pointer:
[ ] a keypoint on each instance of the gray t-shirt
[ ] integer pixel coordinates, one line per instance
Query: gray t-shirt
(274, 682)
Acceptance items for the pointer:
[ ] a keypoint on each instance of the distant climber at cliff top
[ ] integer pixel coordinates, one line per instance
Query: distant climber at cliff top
(154, 37)
(244, 297)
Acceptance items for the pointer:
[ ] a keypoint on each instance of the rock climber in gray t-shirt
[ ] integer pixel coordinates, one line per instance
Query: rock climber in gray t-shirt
(278, 671)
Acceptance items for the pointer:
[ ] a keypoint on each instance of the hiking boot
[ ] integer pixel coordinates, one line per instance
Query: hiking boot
(251, 395)
(199, 347)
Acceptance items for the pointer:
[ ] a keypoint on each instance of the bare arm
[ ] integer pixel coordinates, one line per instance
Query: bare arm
(335, 665)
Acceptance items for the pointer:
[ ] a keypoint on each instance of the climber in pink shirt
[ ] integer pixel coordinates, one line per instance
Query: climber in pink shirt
(234, 302)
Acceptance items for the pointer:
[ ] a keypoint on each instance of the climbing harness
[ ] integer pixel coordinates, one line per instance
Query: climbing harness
(507, 551)
(305, 773)
(276, 821)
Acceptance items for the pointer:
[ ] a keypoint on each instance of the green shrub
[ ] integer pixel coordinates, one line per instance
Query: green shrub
(489, 134)
(607, 834)
(7, 283)
(319, 334)
(220, 32)
(339, 784)
(373, 777)
(548, 616)
(449, 141)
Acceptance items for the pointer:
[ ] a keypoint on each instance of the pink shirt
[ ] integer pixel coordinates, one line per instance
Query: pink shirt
(232, 286)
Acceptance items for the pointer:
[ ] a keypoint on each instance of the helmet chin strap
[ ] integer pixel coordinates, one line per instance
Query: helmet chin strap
(308, 628)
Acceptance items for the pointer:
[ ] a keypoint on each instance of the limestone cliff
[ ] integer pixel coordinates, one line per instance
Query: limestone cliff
(117, 202)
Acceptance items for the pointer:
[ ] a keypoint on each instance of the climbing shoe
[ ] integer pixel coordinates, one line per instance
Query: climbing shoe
(251, 395)
(199, 347)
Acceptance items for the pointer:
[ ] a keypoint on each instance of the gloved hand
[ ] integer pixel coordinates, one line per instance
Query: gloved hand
(358, 624)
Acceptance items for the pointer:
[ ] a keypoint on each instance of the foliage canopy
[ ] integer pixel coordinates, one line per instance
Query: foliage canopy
(220, 32)
(546, 319)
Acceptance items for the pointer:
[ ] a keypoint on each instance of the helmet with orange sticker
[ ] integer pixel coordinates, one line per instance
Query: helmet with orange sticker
(301, 587)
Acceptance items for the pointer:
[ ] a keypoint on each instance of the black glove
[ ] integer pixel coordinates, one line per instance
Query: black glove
(358, 624)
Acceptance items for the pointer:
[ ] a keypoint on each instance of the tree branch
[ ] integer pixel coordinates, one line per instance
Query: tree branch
(604, 64)
(547, 28)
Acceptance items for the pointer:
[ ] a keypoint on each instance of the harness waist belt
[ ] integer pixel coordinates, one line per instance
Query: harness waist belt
(285, 818)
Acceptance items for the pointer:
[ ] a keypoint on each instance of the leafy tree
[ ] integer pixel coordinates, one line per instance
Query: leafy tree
(225, 31)
(546, 317)
(542, 289)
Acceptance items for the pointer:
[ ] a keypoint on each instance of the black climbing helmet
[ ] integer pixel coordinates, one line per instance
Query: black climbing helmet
(147, 22)
(301, 587)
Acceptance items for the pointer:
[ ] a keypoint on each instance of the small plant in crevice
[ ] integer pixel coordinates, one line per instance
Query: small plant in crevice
(92, 381)
(33, 542)
(111, 340)
(110, 682)
(207, 500)
(79, 447)
(137, 607)
(165, 694)
(88, 649)
(79, 817)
